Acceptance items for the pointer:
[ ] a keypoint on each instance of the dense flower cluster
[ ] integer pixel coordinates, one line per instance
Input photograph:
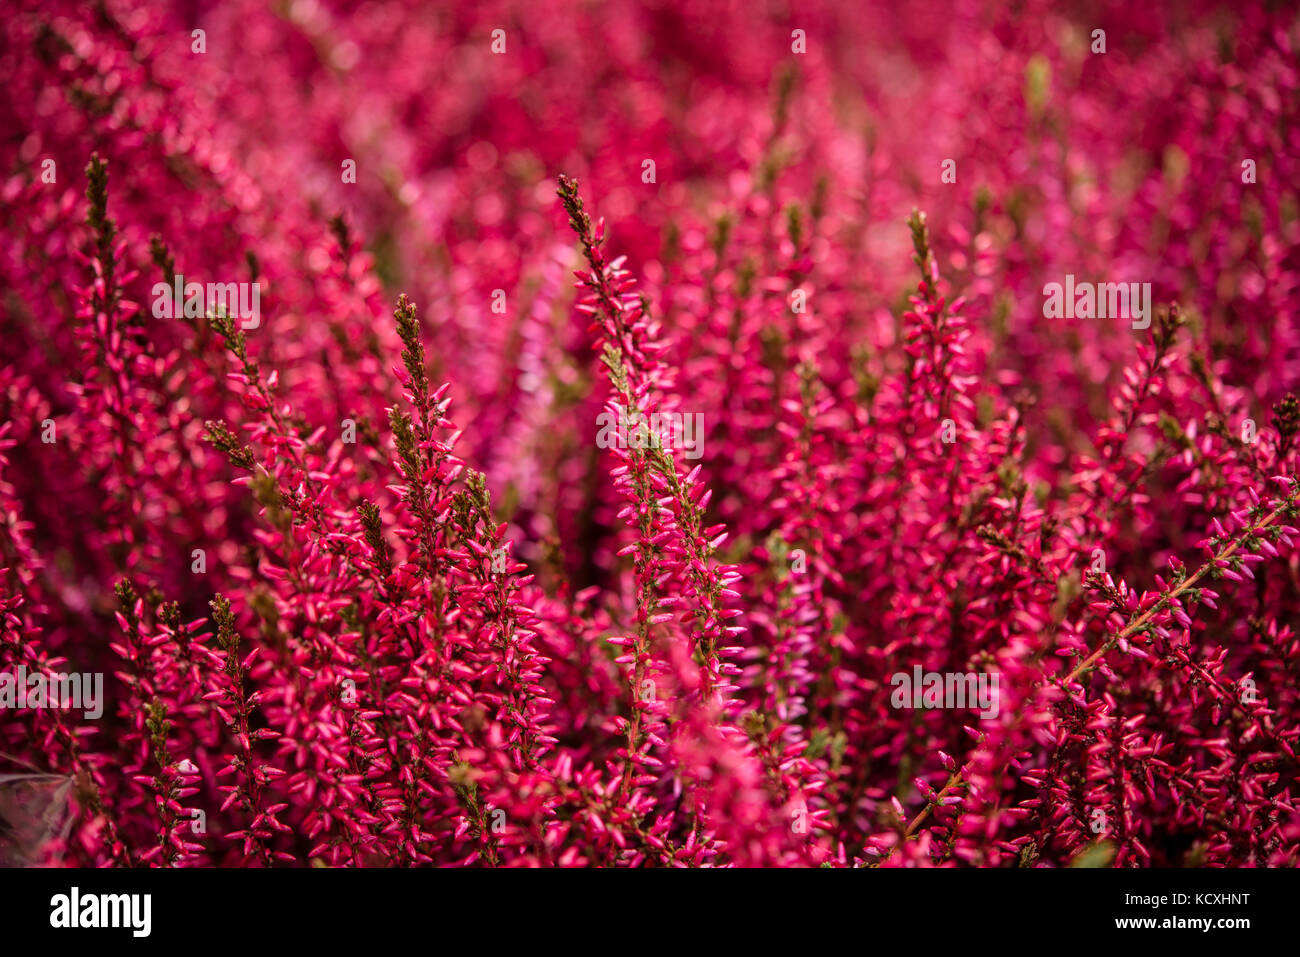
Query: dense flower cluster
(366, 590)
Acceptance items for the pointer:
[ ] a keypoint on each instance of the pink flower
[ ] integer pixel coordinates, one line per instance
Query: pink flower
(716, 513)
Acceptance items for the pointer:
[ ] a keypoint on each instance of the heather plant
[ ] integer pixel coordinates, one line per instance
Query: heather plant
(366, 586)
